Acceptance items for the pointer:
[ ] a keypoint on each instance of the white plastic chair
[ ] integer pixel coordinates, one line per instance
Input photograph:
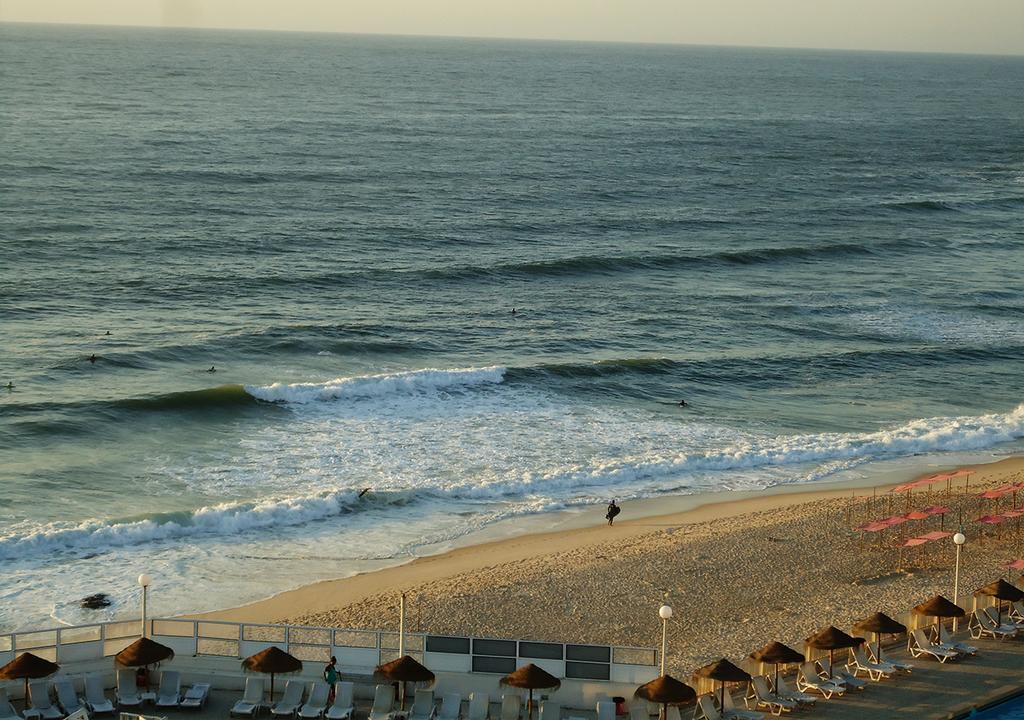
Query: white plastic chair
(289, 703)
(316, 705)
(342, 707)
(383, 701)
(169, 694)
(252, 699)
(451, 707)
(95, 698)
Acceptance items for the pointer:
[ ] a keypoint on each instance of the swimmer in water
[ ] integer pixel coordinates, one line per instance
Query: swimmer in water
(9, 386)
(212, 369)
(682, 403)
(92, 359)
(108, 332)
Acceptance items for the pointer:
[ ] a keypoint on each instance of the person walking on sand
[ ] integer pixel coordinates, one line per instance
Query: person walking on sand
(331, 677)
(613, 510)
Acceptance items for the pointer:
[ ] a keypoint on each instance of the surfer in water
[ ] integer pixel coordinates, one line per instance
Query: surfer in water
(613, 511)
(92, 359)
(9, 386)
(213, 368)
(363, 492)
(682, 403)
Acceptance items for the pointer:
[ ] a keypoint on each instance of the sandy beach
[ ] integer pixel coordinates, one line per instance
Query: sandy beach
(738, 573)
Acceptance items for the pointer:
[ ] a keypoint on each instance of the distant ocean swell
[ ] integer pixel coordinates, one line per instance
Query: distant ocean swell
(747, 371)
(627, 477)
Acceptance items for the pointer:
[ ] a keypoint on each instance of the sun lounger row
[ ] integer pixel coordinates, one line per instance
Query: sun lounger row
(42, 693)
(41, 699)
(295, 703)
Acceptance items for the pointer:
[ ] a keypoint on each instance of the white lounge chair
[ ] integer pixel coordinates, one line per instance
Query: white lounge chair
(127, 694)
(947, 640)
(95, 697)
(765, 698)
(875, 670)
(783, 690)
(707, 709)
(39, 696)
(510, 706)
(997, 620)
(423, 705)
(67, 698)
(7, 711)
(838, 674)
(195, 697)
(639, 710)
(550, 710)
(383, 701)
(342, 707)
(605, 710)
(252, 699)
(289, 703)
(672, 713)
(918, 644)
(981, 624)
(900, 666)
(731, 712)
(169, 694)
(809, 678)
(479, 706)
(1016, 611)
(316, 705)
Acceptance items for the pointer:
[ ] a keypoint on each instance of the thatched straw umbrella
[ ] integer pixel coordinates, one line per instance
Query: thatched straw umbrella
(832, 639)
(273, 661)
(723, 671)
(530, 677)
(938, 607)
(666, 690)
(775, 653)
(143, 653)
(28, 667)
(1000, 590)
(404, 669)
(880, 624)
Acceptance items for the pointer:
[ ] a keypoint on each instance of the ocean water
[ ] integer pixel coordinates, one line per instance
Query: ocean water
(820, 251)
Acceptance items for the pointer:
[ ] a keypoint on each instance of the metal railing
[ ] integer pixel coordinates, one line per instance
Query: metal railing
(357, 650)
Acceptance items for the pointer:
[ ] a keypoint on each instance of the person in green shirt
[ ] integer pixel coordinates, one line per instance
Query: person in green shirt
(331, 676)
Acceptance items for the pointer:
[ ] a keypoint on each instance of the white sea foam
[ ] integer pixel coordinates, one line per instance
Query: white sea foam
(222, 519)
(374, 386)
(638, 474)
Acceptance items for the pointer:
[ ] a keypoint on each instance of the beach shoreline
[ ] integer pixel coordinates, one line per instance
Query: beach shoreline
(574, 532)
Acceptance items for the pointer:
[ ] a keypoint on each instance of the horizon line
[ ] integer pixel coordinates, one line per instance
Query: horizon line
(660, 43)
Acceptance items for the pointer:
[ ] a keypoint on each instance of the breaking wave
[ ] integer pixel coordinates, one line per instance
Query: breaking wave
(627, 477)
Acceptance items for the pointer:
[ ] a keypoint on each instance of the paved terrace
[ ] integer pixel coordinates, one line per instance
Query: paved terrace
(932, 691)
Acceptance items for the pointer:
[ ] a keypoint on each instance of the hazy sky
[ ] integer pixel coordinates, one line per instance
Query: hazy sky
(984, 26)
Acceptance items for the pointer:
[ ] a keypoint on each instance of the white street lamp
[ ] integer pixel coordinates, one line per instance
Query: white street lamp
(959, 539)
(144, 581)
(664, 612)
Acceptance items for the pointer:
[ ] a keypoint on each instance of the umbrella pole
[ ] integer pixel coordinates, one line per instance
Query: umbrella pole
(271, 687)
(830, 668)
(529, 707)
(776, 688)
(721, 701)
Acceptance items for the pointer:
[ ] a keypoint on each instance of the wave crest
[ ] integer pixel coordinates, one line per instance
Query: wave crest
(374, 386)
